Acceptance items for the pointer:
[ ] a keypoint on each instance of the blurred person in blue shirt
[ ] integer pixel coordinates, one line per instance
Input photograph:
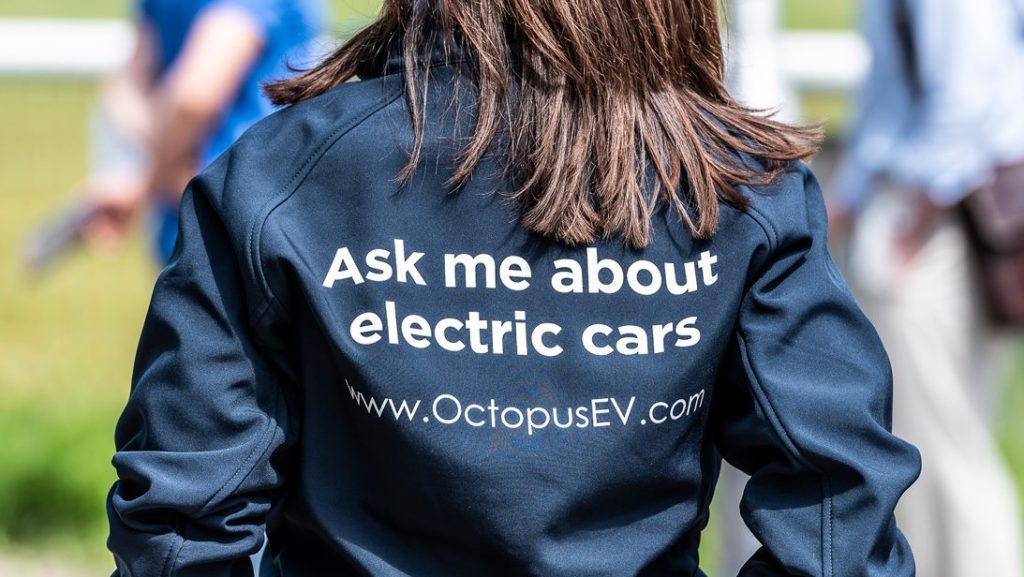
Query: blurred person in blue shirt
(941, 109)
(941, 128)
(190, 88)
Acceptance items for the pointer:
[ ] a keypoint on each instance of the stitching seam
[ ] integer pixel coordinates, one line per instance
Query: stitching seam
(176, 544)
(766, 225)
(830, 518)
(289, 189)
(780, 430)
(247, 466)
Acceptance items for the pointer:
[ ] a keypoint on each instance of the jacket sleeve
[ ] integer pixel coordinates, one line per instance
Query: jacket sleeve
(200, 443)
(804, 405)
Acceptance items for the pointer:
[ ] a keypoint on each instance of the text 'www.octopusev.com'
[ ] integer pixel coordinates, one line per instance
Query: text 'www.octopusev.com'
(448, 409)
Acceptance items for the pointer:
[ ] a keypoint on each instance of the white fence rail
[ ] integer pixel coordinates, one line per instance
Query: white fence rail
(823, 60)
(776, 63)
(50, 47)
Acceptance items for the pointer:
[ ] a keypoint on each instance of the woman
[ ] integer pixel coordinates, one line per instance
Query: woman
(499, 307)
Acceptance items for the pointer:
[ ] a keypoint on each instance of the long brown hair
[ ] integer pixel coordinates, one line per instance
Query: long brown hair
(608, 92)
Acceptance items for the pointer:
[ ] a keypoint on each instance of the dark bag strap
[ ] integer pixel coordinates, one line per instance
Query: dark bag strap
(994, 219)
(1018, 10)
(904, 28)
(996, 211)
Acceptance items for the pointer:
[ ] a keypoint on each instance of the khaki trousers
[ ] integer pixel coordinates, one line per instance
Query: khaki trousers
(962, 516)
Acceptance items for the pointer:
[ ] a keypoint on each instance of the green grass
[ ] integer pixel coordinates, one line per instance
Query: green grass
(65, 340)
(831, 108)
(1011, 430)
(819, 14)
(65, 8)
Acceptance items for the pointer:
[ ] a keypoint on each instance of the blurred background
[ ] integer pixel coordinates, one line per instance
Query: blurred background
(67, 338)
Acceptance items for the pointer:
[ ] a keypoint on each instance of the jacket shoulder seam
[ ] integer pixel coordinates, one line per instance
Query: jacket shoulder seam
(293, 183)
(771, 233)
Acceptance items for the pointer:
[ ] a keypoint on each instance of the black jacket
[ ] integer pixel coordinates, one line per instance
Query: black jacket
(401, 381)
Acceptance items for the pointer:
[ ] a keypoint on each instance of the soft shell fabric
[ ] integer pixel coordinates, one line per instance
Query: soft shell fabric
(402, 381)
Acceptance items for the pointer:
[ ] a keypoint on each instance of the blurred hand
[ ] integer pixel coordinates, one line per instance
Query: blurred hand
(922, 217)
(118, 201)
(840, 221)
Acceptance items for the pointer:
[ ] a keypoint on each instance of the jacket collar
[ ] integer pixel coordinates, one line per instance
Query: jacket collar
(391, 59)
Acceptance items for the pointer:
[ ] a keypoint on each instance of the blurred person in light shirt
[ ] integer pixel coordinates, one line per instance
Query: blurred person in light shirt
(942, 108)
(192, 85)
